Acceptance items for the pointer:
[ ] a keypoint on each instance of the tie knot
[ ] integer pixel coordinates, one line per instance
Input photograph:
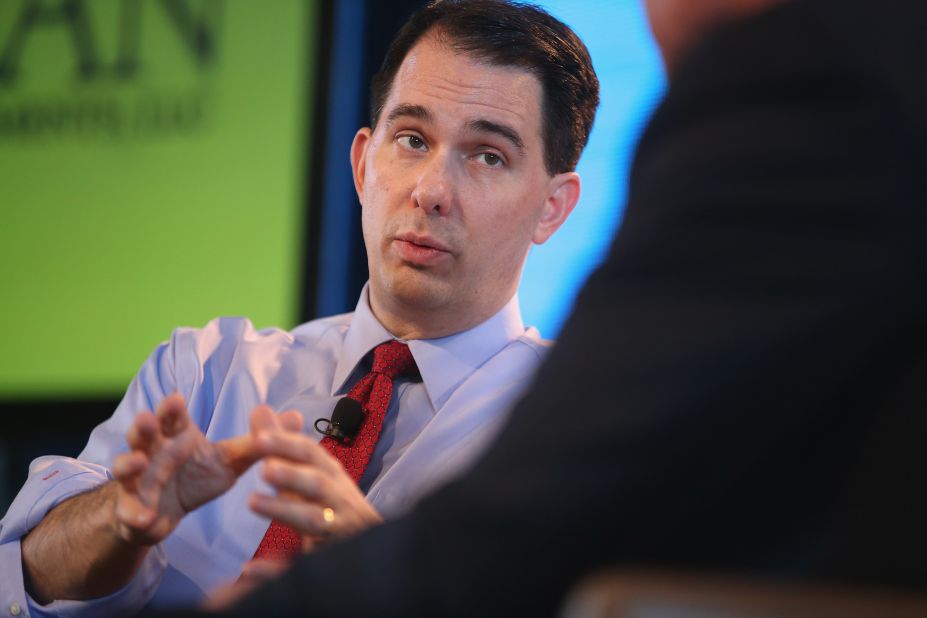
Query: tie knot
(392, 359)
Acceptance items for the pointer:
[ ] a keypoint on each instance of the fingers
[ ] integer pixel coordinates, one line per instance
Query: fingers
(172, 415)
(305, 481)
(132, 516)
(312, 500)
(130, 511)
(291, 420)
(263, 419)
(144, 434)
(253, 574)
(309, 543)
(128, 466)
(297, 447)
(223, 597)
(263, 569)
(304, 517)
(226, 595)
(242, 452)
(148, 430)
(239, 453)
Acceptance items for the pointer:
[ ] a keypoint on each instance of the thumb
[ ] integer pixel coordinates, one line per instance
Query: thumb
(291, 420)
(263, 419)
(239, 453)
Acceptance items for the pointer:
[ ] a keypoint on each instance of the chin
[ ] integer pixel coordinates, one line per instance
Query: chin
(418, 290)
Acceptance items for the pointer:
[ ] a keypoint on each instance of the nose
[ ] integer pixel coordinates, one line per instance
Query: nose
(433, 190)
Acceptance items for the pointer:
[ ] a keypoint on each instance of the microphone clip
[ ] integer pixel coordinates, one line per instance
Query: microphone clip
(346, 421)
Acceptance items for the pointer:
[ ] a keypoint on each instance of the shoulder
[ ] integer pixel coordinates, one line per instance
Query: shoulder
(521, 356)
(886, 40)
(233, 345)
(788, 89)
(532, 343)
(323, 328)
(222, 338)
(225, 334)
(794, 44)
(229, 364)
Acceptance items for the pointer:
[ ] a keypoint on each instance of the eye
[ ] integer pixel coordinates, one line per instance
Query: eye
(412, 142)
(491, 159)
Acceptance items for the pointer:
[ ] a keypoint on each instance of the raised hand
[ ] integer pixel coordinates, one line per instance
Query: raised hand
(92, 544)
(315, 495)
(172, 469)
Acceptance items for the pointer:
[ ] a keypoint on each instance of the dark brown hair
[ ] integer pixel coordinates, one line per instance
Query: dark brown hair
(516, 34)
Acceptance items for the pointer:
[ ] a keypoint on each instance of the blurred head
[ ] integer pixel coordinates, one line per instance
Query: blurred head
(679, 24)
(479, 114)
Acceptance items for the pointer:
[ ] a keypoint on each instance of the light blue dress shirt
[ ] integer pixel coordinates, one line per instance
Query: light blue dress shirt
(433, 430)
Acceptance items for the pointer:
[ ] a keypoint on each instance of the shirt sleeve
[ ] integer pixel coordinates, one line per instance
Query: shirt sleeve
(54, 479)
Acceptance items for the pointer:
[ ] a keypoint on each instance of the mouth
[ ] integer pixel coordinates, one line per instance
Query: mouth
(420, 250)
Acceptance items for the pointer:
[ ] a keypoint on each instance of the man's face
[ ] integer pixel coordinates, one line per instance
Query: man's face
(454, 190)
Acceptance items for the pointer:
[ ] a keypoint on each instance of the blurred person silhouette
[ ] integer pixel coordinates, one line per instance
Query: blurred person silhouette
(742, 387)
(478, 117)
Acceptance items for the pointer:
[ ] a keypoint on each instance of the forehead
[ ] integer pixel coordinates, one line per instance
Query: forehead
(458, 86)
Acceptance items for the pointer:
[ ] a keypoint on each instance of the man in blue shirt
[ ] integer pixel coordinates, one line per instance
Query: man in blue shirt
(479, 115)
(741, 388)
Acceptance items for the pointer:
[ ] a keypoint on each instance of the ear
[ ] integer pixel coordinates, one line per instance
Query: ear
(562, 195)
(362, 140)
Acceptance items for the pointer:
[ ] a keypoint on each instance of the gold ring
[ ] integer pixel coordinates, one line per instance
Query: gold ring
(328, 516)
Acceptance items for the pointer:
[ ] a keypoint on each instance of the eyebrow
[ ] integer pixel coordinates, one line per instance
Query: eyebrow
(408, 110)
(508, 133)
(481, 125)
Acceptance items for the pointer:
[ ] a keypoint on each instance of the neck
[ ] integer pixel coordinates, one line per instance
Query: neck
(428, 323)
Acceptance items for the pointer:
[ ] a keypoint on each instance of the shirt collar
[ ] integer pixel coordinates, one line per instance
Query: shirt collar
(444, 363)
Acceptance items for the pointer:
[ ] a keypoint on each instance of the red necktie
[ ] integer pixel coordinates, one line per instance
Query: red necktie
(373, 392)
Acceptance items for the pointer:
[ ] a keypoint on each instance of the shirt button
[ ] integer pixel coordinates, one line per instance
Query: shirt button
(15, 609)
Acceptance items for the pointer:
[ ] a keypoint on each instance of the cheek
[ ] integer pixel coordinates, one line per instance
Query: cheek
(377, 184)
(370, 224)
(509, 226)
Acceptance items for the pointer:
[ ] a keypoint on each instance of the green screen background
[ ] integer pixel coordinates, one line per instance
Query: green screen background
(133, 204)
